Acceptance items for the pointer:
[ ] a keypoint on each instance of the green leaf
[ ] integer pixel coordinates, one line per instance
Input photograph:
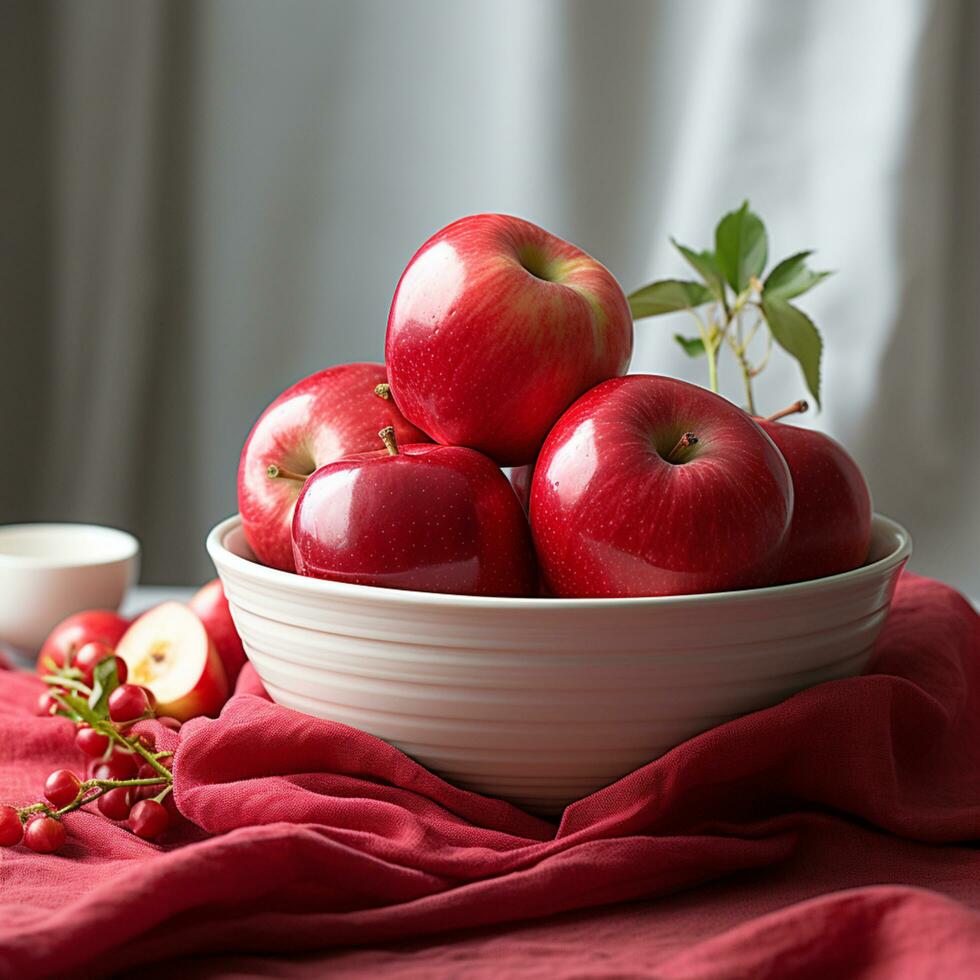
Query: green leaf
(794, 331)
(693, 346)
(792, 277)
(105, 679)
(705, 265)
(78, 706)
(740, 247)
(667, 296)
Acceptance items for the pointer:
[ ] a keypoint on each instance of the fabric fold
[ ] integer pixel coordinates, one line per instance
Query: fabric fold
(305, 834)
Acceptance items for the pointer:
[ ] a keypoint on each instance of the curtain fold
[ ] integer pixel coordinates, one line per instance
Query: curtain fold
(205, 201)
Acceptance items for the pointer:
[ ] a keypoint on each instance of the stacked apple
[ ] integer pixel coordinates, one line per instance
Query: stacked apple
(507, 347)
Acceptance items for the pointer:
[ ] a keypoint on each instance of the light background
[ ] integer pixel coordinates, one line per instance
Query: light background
(202, 202)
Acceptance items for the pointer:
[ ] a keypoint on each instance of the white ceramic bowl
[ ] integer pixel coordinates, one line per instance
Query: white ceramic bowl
(49, 571)
(543, 701)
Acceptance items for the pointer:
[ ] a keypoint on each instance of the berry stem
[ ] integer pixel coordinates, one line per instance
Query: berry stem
(86, 796)
(135, 745)
(152, 760)
(26, 811)
(796, 408)
(160, 797)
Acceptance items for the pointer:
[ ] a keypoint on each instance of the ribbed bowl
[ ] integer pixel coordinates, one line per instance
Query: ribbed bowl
(543, 701)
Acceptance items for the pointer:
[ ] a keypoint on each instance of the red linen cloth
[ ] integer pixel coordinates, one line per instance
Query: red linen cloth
(325, 838)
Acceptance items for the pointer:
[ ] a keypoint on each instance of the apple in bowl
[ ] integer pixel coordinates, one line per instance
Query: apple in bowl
(649, 486)
(831, 527)
(423, 517)
(321, 418)
(496, 327)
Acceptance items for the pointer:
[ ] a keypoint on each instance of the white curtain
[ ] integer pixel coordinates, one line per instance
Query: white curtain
(205, 201)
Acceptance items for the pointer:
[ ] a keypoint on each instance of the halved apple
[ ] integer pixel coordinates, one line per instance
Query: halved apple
(169, 651)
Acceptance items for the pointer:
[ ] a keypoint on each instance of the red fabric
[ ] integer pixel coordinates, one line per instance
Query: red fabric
(803, 826)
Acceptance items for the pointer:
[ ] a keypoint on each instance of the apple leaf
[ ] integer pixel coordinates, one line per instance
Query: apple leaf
(692, 346)
(794, 331)
(741, 247)
(705, 265)
(667, 296)
(792, 277)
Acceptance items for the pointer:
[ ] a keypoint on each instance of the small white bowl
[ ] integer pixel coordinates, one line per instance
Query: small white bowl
(49, 571)
(544, 701)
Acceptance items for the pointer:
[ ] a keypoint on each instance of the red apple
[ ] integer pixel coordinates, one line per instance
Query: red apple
(496, 328)
(831, 527)
(319, 419)
(211, 606)
(423, 517)
(168, 650)
(651, 486)
(70, 635)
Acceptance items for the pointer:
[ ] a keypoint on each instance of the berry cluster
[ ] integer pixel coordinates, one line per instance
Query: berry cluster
(128, 779)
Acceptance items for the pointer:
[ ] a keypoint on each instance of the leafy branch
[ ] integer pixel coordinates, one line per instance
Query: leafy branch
(731, 303)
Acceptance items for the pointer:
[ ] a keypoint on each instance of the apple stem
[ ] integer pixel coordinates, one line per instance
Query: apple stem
(383, 390)
(280, 472)
(685, 442)
(387, 436)
(796, 408)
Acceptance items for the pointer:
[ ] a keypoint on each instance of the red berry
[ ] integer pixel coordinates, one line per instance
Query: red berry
(172, 723)
(149, 819)
(88, 656)
(129, 702)
(146, 771)
(115, 804)
(44, 835)
(91, 742)
(120, 765)
(126, 757)
(46, 704)
(122, 671)
(61, 787)
(11, 829)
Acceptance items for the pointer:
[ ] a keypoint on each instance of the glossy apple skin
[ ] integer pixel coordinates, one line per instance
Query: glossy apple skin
(482, 352)
(831, 527)
(100, 625)
(328, 415)
(611, 517)
(211, 606)
(431, 519)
